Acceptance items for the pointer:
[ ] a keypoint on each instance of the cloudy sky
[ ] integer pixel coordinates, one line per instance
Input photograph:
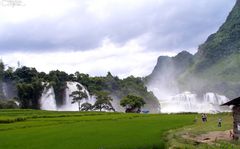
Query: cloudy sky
(96, 36)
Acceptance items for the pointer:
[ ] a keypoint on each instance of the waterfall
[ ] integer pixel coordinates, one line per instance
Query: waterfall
(215, 98)
(9, 90)
(188, 102)
(47, 100)
(183, 102)
(4, 89)
(68, 105)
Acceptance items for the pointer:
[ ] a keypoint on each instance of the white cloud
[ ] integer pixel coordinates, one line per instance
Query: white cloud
(129, 59)
(96, 36)
(82, 25)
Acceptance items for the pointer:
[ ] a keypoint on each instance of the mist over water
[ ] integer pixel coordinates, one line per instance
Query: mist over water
(164, 83)
(174, 102)
(4, 89)
(9, 90)
(68, 105)
(170, 99)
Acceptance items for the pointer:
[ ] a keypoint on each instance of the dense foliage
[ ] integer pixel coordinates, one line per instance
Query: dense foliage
(29, 87)
(30, 83)
(132, 103)
(103, 102)
(221, 44)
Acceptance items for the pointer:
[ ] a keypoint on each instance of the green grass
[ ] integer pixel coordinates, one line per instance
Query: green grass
(33, 129)
(174, 137)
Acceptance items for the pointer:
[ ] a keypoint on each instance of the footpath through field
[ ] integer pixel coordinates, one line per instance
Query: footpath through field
(203, 135)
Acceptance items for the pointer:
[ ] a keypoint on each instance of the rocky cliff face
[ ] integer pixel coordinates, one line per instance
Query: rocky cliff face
(214, 68)
(172, 66)
(165, 74)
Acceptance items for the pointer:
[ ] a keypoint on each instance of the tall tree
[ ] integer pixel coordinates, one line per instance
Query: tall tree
(132, 103)
(103, 101)
(30, 93)
(78, 96)
(25, 74)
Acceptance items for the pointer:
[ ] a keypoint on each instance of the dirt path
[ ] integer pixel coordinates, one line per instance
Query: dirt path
(210, 137)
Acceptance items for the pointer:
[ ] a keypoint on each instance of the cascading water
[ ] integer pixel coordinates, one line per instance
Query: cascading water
(4, 89)
(47, 100)
(69, 106)
(184, 102)
(188, 102)
(8, 90)
(215, 98)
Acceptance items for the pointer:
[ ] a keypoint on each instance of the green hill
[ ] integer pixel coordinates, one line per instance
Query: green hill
(217, 61)
(216, 65)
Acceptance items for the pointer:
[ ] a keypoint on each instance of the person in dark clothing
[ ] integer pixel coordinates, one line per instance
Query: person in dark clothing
(204, 117)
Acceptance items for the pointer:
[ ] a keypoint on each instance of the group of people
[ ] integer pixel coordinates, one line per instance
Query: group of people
(204, 119)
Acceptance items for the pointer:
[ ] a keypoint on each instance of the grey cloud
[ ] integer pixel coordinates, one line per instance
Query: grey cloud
(170, 24)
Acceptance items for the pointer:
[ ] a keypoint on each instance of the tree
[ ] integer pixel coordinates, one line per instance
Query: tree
(86, 107)
(78, 96)
(8, 74)
(103, 101)
(30, 93)
(25, 74)
(132, 103)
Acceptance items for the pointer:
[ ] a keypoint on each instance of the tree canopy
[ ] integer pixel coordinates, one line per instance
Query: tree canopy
(132, 103)
(103, 101)
(27, 85)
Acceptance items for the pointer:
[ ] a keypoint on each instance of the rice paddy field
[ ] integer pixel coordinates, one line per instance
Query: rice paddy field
(32, 129)
(35, 129)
